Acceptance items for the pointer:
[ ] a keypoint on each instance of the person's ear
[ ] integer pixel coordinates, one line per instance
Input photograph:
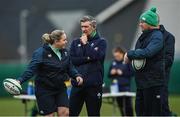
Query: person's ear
(56, 41)
(94, 27)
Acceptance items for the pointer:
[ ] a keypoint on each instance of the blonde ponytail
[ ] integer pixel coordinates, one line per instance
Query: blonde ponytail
(50, 38)
(46, 38)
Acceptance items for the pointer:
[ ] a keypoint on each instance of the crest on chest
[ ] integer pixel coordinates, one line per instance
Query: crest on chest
(114, 63)
(49, 55)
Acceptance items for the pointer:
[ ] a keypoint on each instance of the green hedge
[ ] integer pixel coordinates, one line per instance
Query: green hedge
(14, 70)
(9, 71)
(174, 87)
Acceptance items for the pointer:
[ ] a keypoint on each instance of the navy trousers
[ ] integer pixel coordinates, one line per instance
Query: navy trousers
(92, 96)
(149, 101)
(125, 105)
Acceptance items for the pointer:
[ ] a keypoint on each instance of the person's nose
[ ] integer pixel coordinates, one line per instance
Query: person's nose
(140, 24)
(83, 29)
(66, 41)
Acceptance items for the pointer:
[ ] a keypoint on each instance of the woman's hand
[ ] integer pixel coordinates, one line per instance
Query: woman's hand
(18, 81)
(79, 80)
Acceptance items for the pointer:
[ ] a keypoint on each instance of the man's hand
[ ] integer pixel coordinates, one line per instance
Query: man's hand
(126, 59)
(79, 80)
(84, 39)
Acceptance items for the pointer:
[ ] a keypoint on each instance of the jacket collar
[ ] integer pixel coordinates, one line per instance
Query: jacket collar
(47, 47)
(118, 61)
(146, 33)
(96, 36)
(161, 27)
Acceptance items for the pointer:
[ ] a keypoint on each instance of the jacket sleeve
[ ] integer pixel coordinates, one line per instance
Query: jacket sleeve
(98, 51)
(169, 50)
(76, 60)
(129, 72)
(109, 72)
(152, 48)
(32, 67)
(72, 70)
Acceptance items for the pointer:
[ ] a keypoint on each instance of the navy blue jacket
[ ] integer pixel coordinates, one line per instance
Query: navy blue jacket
(50, 72)
(149, 46)
(89, 59)
(169, 46)
(124, 80)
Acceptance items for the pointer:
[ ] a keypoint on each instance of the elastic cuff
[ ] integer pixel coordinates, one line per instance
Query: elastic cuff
(130, 53)
(78, 75)
(20, 80)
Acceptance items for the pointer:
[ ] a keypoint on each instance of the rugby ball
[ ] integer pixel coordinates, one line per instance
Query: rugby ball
(12, 86)
(138, 64)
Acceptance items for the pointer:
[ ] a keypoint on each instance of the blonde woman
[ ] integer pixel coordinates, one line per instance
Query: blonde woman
(51, 66)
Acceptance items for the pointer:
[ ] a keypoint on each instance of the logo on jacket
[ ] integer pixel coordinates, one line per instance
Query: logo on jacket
(79, 45)
(96, 48)
(158, 96)
(99, 95)
(65, 53)
(114, 63)
(92, 44)
(42, 112)
(49, 55)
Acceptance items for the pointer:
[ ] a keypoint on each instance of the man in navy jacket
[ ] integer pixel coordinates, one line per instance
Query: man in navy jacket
(169, 48)
(88, 54)
(149, 79)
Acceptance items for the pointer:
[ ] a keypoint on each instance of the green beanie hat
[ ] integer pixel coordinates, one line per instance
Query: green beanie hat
(150, 17)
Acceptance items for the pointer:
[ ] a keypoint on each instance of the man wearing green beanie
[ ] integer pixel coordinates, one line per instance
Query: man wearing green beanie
(150, 17)
(149, 78)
